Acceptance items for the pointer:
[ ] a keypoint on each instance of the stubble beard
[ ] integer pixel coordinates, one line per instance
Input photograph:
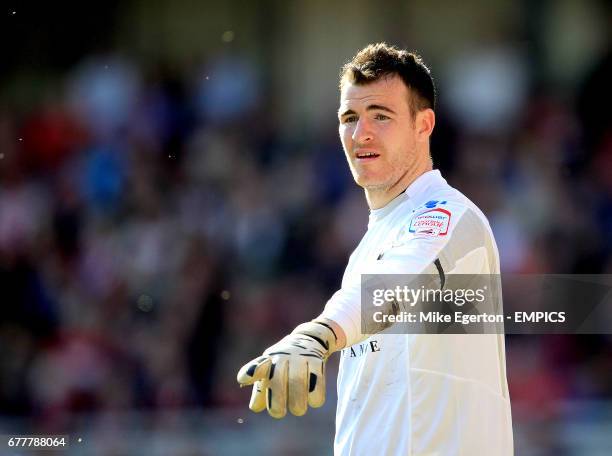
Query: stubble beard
(395, 179)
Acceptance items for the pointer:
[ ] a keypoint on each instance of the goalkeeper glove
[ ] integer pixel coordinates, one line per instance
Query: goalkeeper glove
(291, 373)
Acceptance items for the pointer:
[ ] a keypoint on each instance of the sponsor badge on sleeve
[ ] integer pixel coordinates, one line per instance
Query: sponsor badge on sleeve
(433, 222)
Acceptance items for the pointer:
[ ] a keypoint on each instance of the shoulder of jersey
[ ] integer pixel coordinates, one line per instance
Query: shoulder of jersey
(435, 217)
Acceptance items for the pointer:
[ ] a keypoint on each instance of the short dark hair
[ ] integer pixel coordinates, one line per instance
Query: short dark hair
(380, 60)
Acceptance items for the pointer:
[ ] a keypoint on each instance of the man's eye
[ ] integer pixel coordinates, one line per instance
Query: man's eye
(349, 119)
(381, 117)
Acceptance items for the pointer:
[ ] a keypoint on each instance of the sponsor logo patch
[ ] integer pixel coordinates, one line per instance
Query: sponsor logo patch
(432, 223)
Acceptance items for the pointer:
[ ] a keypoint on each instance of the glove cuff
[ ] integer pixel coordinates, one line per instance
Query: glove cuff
(321, 332)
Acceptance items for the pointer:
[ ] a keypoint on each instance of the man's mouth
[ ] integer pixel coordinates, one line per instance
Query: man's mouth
(366, 155)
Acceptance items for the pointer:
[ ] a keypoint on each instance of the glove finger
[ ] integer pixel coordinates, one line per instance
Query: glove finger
(297, 387)
(316, 383)
(276, 393)
(258, 396)
(254, 370)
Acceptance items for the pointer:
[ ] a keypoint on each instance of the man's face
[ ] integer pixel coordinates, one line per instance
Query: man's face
(377, 132)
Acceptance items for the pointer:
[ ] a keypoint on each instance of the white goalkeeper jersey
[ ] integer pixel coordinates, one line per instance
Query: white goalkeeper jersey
(416, 394)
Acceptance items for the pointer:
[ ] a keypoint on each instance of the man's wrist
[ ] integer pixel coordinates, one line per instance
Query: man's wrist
(336, 329)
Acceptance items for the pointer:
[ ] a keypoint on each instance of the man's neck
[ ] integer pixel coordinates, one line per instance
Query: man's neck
(380, 197)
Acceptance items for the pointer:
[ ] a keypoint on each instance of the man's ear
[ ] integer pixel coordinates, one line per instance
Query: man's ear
(425, 122)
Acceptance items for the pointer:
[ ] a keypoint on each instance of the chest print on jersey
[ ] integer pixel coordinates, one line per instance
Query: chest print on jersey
(361, 349)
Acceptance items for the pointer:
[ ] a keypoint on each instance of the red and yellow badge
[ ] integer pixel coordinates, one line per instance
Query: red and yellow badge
(433, 222)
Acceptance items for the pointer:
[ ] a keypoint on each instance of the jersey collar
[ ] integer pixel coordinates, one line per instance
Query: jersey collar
(414, 190)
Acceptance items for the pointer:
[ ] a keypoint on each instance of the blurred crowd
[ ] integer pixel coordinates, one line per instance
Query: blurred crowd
(158, 229)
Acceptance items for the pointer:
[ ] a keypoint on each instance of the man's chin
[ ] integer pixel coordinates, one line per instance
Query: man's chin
(370, 182)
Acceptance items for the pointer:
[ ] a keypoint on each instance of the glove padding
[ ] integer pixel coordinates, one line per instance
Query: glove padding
(291, 372)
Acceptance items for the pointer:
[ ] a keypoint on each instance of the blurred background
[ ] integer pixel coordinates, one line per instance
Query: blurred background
(174, 198)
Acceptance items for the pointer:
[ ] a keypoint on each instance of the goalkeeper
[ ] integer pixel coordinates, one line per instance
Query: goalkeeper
(398, 394)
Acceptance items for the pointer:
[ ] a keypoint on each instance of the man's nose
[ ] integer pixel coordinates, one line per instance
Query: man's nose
(363, 132)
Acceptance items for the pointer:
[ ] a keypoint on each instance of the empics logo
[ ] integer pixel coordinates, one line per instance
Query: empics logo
(433, 222)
